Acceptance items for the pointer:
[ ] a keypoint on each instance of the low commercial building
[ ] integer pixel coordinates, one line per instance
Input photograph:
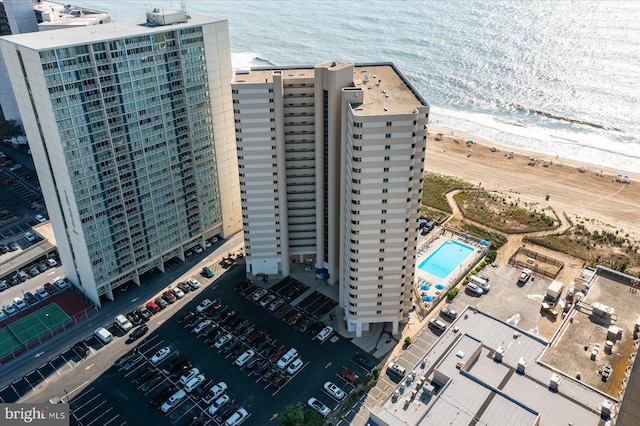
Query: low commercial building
(484, 371)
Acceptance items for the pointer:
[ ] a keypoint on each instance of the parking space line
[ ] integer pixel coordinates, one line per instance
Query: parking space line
(95, 407)
(81, 406)
(65, 360)
(96, 419)
(112, 419)
(183, 414)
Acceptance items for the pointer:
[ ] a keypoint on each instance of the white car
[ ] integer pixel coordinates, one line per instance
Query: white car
(189, 375)
(61, 283)
(213, 408)
(333, 390)
(193, 283)
(276, 304)
(42, 293)
(325, 333)
(267, 300)
(319, 407)
(215, 392)
(207, 244)
(204, 324)
(222, 341)
(40, 218)
(237, 418)
(245, 357)
(161, 354)
(194, 383)
(295, 366)
(29, 237)
(173, 401)
(9, 309)
(20, 304)
(178, 293)
(204, 305)
(259, 294)
(474, 289)
(197, 249)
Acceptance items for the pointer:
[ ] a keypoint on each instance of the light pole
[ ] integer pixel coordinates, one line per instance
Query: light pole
(49, 323)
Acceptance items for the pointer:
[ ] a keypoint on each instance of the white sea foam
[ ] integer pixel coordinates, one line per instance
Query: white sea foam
(243, 60)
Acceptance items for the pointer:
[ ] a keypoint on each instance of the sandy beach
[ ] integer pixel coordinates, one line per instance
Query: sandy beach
(573, 188)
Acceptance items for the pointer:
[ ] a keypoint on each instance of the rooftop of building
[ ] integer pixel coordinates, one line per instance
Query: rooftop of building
(386, 89)
(96, 33)
(461, 383)
(57, 14)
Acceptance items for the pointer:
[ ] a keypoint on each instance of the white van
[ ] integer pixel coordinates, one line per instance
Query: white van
(124, 324)
(480, 282)
(104, 335)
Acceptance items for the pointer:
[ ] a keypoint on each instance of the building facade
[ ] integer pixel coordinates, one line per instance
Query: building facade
(331, 162)
(131, 130)
(19, 17)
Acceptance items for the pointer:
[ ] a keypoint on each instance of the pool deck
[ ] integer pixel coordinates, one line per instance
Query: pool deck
(429, 245)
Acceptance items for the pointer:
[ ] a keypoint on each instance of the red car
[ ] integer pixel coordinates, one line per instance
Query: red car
(276, 356)
(51, 289)
(349, 376)
(169, 297)
(151, 306)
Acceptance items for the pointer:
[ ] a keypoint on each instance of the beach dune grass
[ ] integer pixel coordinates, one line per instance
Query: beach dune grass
(505, 214)
(496, 239)
(606, 248)
(435, 188)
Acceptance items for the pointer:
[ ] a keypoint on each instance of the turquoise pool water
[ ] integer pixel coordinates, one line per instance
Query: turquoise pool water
(445, 259)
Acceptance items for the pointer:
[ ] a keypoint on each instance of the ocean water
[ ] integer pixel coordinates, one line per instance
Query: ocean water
(561, 78)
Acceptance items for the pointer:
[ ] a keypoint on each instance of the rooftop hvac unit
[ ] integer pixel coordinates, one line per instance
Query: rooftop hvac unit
(497, 357)
(614, 333)
(607, 406)
(522, 364)
(555, 381)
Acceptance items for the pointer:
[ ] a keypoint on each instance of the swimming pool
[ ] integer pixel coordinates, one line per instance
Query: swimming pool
(445, 259)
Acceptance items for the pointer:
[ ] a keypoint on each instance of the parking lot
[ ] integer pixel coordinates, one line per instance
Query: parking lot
(260, 387)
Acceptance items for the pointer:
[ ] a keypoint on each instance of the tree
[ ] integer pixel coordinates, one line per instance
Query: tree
(298, 415)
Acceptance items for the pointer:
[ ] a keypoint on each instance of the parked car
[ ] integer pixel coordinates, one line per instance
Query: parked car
(124, 358)
(474, 289)
(213, 408)
(186, 317)
(194, 383)
(276, 304)
(61, 283)
(333, 390)
(131, 362)
(437, 325)
(31, 298)
(137, 333)
(197, 249)
(297, 317)
(151, 382)
(184, 287)
(189, 375)
(42, 293)
(169, 297)
(237, 418)
(5, 285)
(215, 393)
(173, 401)
(193, 283)
(179, 294)
(201, 326)
(160, 302)
(14, 246)
(174, 363)
(9, 309)
(322, 409)
(350, 376)
(245, 357)
(29, 237)
(295, 366)
(19, 303)
(204, 305)
(145, 375)
(207, 272)
(324, 333)
(51, 289)
(165, 393)
(449, 313)
(41, 218)
(160, 355)
(259, 294)
(267, 300)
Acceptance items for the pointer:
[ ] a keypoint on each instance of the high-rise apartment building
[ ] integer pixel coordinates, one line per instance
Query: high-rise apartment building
(331, 162)
(131, 130)
(20, 16)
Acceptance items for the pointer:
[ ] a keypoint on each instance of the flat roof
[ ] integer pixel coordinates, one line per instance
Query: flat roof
(66, 14)
(479, 389)
(95, 33)
(386, 90)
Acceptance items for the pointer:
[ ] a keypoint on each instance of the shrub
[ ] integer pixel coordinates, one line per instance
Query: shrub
(451, 294)
(407, 341)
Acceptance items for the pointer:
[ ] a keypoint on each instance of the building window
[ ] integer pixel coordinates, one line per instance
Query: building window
(383, 211)
(384, 201)
(385, 190)
(380, 268)
(379, 303)
(386, 169)
(388, 136)
(386, 158)
(380, 277)
(383, 221)
(387, 147)
(388, 124)
(378, 312)
(380, 286)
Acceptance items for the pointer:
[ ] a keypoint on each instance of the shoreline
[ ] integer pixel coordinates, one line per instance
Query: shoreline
(574, 188)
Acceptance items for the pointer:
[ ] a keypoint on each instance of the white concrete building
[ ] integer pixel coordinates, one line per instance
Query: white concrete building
(331, 164)
(20, 16)
(131, 130)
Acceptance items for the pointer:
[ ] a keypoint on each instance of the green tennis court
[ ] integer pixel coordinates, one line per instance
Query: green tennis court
(29, 328)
